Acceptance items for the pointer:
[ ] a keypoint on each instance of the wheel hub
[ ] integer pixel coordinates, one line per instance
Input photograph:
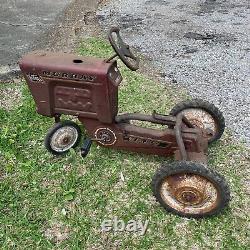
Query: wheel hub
(64, 138)
(189, 196)
(189, 193)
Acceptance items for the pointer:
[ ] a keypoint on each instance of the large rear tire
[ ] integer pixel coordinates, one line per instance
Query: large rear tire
(190, 190)
(204, 115)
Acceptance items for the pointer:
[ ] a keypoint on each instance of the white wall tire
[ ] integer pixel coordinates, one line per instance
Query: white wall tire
(62, 137)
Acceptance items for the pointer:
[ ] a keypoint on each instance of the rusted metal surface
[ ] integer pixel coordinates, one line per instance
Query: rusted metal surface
(179, 139)
(200, 157)
(189, 193)
(184, 153)
(166, 120)
(122, 49)
(69, 84)
(88, 88)
(138, 139)
(105, 136)
(201, 119)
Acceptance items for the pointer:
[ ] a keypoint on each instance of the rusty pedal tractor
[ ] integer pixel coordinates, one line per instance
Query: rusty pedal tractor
(87, 88)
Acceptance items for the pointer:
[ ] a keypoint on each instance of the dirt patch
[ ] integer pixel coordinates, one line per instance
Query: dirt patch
(10, 97)
(77, 21)
(57, 232)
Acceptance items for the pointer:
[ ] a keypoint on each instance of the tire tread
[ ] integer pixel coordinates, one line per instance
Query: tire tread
(208, 107)
(54, 128)
(196, 168)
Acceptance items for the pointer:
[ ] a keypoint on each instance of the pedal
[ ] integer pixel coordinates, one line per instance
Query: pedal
(86, 147)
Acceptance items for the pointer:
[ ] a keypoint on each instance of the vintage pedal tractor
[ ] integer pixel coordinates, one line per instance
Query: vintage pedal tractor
(87, 88)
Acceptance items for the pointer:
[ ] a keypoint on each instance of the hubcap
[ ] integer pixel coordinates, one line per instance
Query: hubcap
(189, 193)
(64, 139)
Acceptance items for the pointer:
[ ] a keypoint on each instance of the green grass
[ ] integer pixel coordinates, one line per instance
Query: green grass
(51, 202)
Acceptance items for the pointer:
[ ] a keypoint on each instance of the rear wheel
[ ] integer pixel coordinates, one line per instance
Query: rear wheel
(62, 136)
(204, 115)
(190, 189)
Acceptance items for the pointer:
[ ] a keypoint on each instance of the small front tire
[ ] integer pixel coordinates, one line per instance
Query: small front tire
(62, 136)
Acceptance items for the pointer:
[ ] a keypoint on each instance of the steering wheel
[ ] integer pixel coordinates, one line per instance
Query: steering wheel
(122, 49)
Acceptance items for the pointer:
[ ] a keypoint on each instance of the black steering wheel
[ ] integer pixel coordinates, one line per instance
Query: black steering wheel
(122, 49)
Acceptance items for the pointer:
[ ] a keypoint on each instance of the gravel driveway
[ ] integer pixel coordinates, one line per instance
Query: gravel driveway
(201, 45)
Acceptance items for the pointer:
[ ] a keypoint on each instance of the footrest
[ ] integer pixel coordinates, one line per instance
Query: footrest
(86, 147)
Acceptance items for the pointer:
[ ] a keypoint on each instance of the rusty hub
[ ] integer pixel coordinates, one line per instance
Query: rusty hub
(202, 119)
(189, 193)
(64, 138)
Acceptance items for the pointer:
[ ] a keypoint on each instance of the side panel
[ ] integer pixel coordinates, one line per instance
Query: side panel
(41, 94)
(75, 99)
(136, 139)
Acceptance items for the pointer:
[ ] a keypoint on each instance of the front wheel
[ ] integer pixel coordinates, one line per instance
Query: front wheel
(204, 115)
(190, 190)
(62, 136)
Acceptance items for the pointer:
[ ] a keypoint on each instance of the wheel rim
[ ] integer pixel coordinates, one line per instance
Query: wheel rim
(202, 119)
(64, 139)
(189, 193)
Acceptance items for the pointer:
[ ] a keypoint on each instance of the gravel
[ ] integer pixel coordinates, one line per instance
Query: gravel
(202, 46)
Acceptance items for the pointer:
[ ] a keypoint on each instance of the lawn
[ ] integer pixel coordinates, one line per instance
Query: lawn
(52, 202)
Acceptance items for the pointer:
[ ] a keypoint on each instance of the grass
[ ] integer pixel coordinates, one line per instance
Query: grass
(51, 202)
